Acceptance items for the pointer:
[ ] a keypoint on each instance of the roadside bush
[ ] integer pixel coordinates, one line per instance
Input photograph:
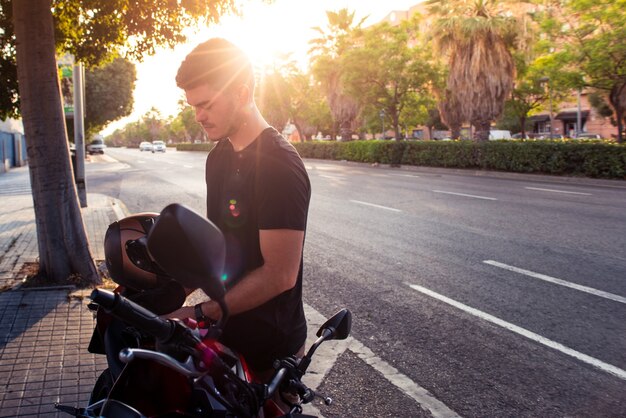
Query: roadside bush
(574, 158)
(187, 146)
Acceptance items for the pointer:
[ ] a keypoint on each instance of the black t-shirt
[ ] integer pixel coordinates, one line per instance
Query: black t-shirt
(264, 186)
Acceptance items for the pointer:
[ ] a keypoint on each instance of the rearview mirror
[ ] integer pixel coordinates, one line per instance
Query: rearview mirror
(190, 248)
(338, 327)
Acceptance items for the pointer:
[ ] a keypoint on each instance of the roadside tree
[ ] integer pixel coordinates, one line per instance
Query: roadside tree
(183, 127)
(476, 36)
(390, 70)
(108, 93)
(326, 65)
(589, 36)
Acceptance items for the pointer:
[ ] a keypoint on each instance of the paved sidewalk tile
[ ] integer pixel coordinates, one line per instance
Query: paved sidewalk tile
(43, 352)
(18, 240)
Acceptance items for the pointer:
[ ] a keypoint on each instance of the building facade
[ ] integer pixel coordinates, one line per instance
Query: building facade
(565, 119)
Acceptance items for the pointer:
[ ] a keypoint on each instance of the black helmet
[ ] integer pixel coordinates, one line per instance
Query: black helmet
(126, 254)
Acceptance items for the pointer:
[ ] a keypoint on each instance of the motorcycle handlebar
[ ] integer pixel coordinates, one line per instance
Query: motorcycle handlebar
(134, 314)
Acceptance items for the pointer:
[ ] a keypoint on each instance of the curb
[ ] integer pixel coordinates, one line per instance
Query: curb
(119, 208)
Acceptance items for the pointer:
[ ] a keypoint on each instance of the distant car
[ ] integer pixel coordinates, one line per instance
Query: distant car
(587, 135)
(497, 134)
(96, 146)
(145, 146)
(519, 136)
(158, 146)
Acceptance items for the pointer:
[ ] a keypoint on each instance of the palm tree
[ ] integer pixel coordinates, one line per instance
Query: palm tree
(450, 113)
(476, 36)
(326, 53)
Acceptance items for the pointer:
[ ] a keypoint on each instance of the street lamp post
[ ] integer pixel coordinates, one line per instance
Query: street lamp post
(578, 116)
(547, 81)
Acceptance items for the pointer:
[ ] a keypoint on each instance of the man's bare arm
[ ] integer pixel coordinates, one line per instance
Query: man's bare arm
(282, 251)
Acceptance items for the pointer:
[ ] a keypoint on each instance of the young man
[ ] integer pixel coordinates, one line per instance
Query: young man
(258, 194)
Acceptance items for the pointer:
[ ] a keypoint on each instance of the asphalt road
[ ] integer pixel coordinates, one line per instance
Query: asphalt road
(493, 296)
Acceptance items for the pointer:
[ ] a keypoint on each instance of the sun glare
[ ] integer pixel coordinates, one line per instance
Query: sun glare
(266, 33)
(269, 33)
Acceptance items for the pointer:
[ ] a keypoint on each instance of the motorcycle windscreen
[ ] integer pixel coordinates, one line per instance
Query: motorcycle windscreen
(190, 248)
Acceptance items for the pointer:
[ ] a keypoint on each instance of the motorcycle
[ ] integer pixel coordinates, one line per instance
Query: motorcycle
(174, 368)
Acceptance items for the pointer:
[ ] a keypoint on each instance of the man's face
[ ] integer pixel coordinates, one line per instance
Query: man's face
(219, 112)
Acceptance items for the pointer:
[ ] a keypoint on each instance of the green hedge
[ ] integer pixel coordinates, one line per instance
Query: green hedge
(205, 146)
(574, 158)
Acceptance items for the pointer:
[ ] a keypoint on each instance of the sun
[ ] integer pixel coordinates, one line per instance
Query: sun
(267, 33)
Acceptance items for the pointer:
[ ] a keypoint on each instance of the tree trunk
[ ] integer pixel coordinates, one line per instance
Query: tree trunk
(301, 133)
(617, 97)
(62, 241)
(482, 130)
(345, 130)
(522, 120)
(396, 126)
(455, 132)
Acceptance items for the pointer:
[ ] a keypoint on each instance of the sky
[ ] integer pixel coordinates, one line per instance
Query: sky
(264, 31)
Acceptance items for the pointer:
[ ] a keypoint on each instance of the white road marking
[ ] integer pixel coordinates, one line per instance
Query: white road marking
(554, 280)
(557, 191)
(609, 368)
(466, 195)
(326, 356)
(405, 175)
(187, 166)
(375, 205)
(332, 177)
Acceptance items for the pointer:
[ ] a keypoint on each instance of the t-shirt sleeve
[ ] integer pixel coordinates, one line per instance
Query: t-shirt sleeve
(283, 192)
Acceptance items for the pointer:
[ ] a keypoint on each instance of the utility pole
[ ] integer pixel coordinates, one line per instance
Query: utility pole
(547, 81)
(578, 117)
(79, 133)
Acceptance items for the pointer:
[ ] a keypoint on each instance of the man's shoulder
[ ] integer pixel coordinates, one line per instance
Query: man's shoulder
(223, 145)
(274, 145)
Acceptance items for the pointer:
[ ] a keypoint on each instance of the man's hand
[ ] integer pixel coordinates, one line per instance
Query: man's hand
(182, 313)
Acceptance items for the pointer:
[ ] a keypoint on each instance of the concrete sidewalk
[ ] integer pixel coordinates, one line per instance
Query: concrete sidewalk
(44, 333)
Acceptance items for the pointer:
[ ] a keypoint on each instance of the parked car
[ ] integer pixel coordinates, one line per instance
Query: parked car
(587, 135)
(145, 146)
(519, 136)
(158, 146)
(96, 146)
(496, 134)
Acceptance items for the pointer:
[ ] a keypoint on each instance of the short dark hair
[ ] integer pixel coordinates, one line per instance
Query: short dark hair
(216, 62)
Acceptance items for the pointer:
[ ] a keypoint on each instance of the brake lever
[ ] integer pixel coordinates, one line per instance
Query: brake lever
(307, 394)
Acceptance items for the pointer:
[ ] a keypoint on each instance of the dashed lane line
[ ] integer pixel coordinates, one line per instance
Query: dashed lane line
(405, 175)
(327, 355)
(560, 282)
(375, 205)
(609, 368)
(465, 195)
(557, 191)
